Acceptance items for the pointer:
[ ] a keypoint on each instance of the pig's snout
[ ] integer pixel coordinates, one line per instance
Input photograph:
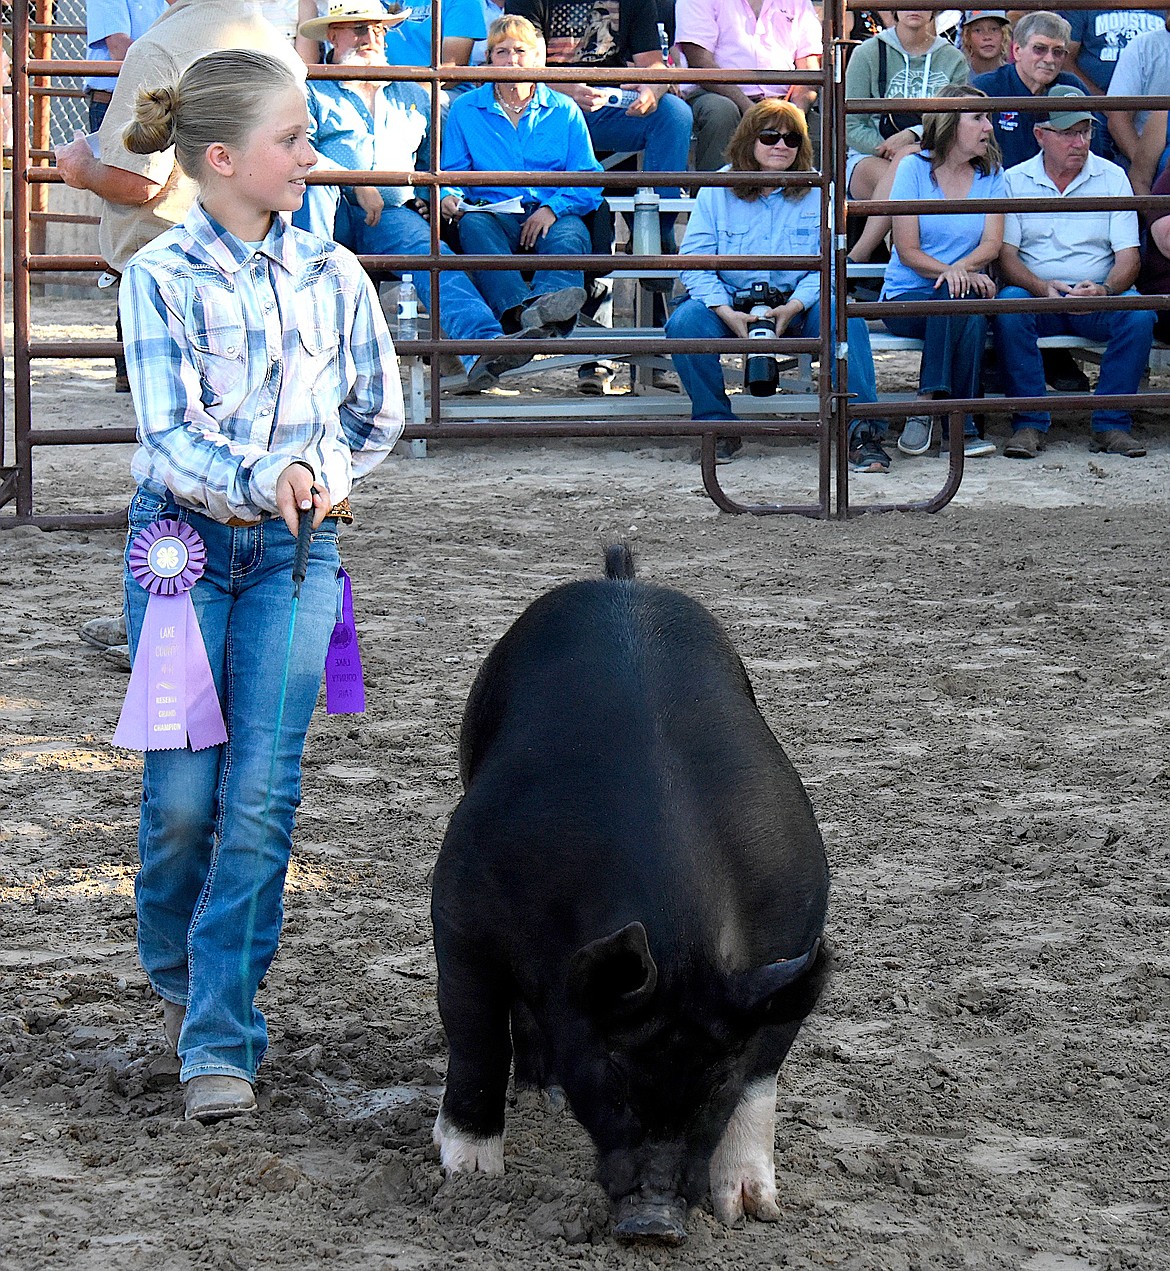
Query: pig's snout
(661, 1218)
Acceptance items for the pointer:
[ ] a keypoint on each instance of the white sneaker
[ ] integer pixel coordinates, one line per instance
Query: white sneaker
(973, 447)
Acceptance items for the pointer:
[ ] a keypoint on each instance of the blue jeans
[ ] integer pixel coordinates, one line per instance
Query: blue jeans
(1127, 337)
(702, 376)
(464, 313)
(493, 233)
(213, 841)
(663, 136)
(952, 348)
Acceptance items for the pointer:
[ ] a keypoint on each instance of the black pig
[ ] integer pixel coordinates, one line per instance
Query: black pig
(630, 899)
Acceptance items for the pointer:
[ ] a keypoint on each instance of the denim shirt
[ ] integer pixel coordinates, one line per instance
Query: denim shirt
(724, 224)
(551, 136)
(243, 359)
(347, 135)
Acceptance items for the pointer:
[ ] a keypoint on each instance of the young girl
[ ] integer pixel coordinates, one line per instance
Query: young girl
(265, 384)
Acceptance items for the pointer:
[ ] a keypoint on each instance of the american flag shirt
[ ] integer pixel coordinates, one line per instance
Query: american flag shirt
(244, 358)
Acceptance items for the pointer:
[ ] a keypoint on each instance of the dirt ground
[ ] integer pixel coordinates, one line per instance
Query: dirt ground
(977, 702)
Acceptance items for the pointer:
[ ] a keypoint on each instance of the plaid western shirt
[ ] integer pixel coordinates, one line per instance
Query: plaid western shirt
(243, 359)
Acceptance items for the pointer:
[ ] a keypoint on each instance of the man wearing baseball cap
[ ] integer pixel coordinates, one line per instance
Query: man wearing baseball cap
(1050, 254)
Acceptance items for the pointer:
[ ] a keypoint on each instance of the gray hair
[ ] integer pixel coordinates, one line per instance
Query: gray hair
(1040, 22)
(221, 97)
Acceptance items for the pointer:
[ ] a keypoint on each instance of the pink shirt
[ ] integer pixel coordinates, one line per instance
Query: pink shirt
(736, 38)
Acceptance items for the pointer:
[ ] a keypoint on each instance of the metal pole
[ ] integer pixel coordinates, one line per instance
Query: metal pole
(21, 296)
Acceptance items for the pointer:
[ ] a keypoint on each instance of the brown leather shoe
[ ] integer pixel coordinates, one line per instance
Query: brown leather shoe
(216, 1097)
(1116, 441)
(1025, 443)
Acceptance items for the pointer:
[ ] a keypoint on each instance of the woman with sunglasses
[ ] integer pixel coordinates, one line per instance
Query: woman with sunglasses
(765, 219)
(947, 256)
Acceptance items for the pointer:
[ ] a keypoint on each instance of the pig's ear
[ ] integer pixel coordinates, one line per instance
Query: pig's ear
(785, 990)
(614, 976)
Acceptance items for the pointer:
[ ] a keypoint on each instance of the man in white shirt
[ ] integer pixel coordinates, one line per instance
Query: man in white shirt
(1071, 255)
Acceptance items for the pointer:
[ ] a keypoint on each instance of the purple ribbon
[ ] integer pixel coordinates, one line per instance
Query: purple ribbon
(345, 690)
(171, 699)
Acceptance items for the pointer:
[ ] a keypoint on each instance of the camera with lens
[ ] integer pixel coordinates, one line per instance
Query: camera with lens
(761, 371)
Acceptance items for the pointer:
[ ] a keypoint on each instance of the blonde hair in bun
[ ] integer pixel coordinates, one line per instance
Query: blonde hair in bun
(153, 127)
(221, 97)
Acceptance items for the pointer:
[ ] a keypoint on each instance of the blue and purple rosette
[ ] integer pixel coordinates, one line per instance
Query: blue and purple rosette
(171, 699)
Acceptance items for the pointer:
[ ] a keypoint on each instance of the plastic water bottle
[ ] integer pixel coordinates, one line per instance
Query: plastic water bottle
(407, 309)
(646, 235)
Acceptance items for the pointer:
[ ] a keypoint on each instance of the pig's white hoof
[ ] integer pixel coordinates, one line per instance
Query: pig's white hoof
(461, 1153)
(743, 1175)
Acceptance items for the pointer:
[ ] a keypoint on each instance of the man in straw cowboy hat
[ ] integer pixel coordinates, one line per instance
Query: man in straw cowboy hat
(408, 41)
(377, 125)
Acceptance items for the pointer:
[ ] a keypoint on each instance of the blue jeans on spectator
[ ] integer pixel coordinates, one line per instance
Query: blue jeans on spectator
(702, 376)
(498, 234)
(952, 348)
(663, 136)
(216, 824)
(1127, 337)
(464, 313)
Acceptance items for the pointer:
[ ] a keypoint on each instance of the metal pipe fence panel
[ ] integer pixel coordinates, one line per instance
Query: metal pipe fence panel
(57, 79)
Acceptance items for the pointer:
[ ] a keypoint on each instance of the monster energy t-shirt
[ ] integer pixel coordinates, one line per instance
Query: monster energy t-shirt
(592, 32)
(1103, 33)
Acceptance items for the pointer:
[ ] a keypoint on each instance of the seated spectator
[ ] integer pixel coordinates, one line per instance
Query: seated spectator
(610, 33)
(522, 127)
(778, 35)
(866, 22)
(947, 257)
(368, 126)
(1155, 274)
(492, 9)
(1142, 70)
(1097, 38)
(908, 60)
(764, 220)
(1072, 255)
(1152, 153)
(986, 39)
(410, 43)
(1039, 50)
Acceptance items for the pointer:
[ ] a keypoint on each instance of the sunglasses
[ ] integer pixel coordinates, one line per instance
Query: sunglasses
(770, 136)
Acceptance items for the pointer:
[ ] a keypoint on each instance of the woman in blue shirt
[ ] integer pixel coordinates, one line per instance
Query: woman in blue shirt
(767, 220)
(945, 256)
(523, 127)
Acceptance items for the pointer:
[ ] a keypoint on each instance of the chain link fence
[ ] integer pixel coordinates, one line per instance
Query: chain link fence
(68, 113)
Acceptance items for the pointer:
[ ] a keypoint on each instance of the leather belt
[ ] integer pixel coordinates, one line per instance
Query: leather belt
(99, 94)
(339, 512)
